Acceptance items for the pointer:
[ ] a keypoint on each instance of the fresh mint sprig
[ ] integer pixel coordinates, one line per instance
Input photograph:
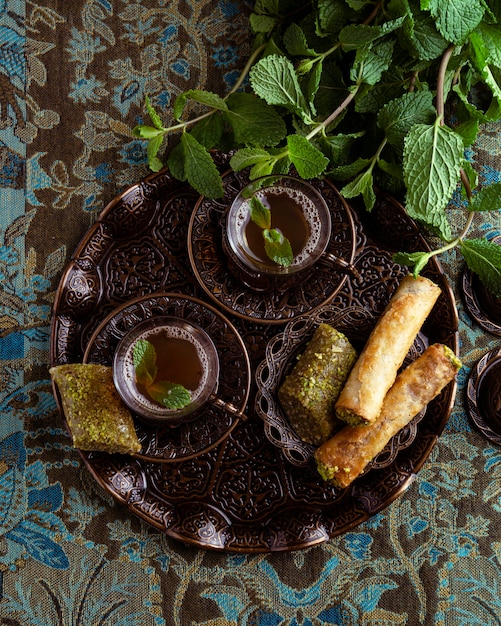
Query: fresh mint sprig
(357, 91)
(171, 395)
(276, 245)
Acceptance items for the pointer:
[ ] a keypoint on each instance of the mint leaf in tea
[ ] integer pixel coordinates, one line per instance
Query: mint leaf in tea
(145, 359)
(276, 246)
(170, 394)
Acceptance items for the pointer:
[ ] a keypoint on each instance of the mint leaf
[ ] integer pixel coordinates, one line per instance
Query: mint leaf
(155, 118)
(199, 168)
(176, 161)
(432, 159)
(170, 395)
(338, 146)
(363, 185)
(357, 4)
(246, 157)
(295, 42)
(393, 169)
(263, 168)
(417, 260)
(358, 35)
(420, 36)
(456, 19)
(398, 116)
(143, 131)
(471, 175)
(274, 79)
(314, 84)
(277, 247)
(332, 16)
(209, 130)
(343, 172)
(481, 58)
(253, 121)
(486, 199)
(262, 23)
(260, 214)
(491, 36)
(307, 159)
(145, 362)
(208, 98)
(154, 145)
(371, 62)
(484, 258)
(371, 98)
(468, 131)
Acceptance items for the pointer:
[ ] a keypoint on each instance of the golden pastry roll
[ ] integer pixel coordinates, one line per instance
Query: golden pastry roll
(376, 368)
(96, 416)
(309, 392)
(345, 456)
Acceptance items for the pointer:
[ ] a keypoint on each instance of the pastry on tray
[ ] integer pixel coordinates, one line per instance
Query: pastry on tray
(309, 392)
(375, 371)
(96, 416)
(345, 456)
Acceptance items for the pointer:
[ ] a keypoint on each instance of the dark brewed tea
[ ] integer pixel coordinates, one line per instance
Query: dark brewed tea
(185, 355)
(178, 360)
(297, 210)
(287, 217)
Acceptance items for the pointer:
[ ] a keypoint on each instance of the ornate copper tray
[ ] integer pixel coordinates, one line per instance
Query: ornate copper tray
(243, 495)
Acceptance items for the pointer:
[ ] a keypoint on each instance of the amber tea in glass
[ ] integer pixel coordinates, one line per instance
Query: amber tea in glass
(185, 355)
(297, 210)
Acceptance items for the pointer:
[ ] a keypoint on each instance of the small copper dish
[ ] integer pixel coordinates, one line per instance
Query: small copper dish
(483, 395)
(482, 306)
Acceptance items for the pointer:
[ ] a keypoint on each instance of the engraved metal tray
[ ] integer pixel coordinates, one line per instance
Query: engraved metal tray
(243, 495)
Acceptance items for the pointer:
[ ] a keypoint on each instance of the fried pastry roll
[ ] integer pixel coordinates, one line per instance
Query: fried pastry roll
(375, 371)
(309, 392)
(96, 416)
(344, 457)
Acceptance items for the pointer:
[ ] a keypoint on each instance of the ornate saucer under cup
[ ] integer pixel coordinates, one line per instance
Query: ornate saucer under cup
(211, 363)
(483, 395)
(482, 305)
(228, 256)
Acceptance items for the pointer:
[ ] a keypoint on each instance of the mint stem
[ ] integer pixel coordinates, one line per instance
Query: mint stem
(334, 114)
(440, 104)
(182, 126)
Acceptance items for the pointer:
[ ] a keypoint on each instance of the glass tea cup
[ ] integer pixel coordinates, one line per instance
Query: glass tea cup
(185, 355)
(297, 210)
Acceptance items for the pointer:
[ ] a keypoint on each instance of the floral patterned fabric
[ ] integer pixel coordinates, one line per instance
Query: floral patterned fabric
(73, 76)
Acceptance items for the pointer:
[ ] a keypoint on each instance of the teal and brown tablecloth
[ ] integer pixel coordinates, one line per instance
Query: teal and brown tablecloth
(73, 76)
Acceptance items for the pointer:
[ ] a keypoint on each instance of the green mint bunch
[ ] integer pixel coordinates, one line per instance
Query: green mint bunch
(276, 245)
(360, 92)
(171, 395)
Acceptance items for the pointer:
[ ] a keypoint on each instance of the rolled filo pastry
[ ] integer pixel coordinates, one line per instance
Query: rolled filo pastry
(376, 368)
(345, 456)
